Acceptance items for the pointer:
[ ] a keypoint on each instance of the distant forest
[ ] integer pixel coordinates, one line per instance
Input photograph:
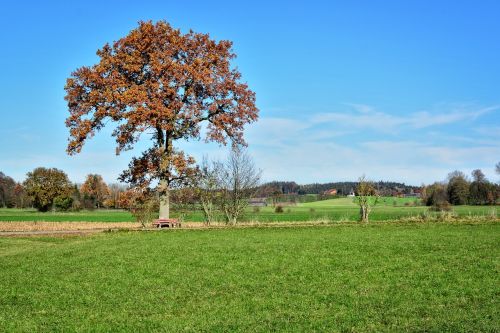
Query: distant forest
(343, 188)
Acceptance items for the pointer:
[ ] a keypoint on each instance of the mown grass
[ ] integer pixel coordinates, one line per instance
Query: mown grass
(416, 277)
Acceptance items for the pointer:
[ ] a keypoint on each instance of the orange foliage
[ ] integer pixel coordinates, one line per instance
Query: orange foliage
(95, 188)
(165, 83)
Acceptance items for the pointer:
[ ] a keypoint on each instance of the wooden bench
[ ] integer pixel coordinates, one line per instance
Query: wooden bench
(166, 223)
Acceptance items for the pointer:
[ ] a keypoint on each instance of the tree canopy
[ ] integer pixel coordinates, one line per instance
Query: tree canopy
(165, 83)
(44, 185)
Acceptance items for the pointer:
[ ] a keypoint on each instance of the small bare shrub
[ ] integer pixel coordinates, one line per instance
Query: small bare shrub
(425, 216)
(256, 209)
(441, 206)
(145, 212)
(344, 218)
(446, 216)
(312, 210)
(278, 209)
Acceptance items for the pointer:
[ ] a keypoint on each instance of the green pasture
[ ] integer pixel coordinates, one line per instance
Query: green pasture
(337, 210)
(342, 278)
(101, 215)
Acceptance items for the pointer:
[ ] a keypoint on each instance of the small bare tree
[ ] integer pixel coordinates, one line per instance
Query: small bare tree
(366, 197)
(183, 201)
(208, 189)
(237, 180)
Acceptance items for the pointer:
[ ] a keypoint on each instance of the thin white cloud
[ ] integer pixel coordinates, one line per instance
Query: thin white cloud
(488, 131)
(374, 120)
(362, 108)
(368, 117)
(427, 119)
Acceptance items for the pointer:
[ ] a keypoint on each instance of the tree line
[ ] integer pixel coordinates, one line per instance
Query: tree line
(459, 189)
(50, 189)
(221, 189)
(384, 188)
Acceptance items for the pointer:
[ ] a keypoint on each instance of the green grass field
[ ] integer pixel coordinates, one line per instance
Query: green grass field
(381, 277)
(341, 209)
(11, 214)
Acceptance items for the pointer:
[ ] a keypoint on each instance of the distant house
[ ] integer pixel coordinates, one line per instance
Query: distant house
(417, 193)
(351, 193)
(257, 202)
(333, 191)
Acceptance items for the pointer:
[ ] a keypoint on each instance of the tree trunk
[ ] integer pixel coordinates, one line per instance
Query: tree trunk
(164, 200)
(165, 144)
(364, 214)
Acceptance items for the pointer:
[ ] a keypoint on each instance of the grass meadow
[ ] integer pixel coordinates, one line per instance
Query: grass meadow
(335, 210)
(379, 277)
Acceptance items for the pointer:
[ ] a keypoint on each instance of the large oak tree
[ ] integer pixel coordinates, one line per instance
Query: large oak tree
(44, 185)
(170, 85)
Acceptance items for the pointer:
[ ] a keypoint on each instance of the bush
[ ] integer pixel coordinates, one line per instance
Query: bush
(278, 209)
(445, 216)
(76, 206)
(256, 209)
(435, 195)
(63, 203)
(146, 211)
(88, 203)
(441, 206)
(312, 210)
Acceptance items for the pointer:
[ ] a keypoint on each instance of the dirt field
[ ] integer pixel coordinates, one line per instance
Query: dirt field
(67, 226)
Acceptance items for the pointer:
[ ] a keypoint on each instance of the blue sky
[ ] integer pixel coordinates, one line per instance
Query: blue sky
(397, 90)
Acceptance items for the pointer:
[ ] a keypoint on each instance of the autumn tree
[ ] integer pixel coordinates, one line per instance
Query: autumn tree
(7, 191)
(96, 189)
(113, 199)
(127, 198)
(458, 188)
(44, 185)
(479, 188)
(436, 196)
(21, 198)
(167, 84)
